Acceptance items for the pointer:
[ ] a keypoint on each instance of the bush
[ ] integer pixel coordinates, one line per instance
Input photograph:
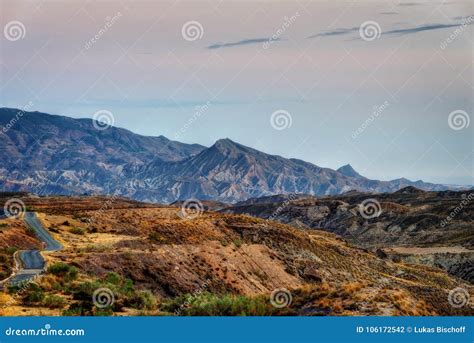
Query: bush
(59, 269)
(33, 295)
(78, 309)
(207, 304)
(122, 289)
(113, 278)
(11, 250)
(237, 242)
(64, 270)
(72, 275)
(54, 301)
(77, 231)
(85, 290)
(143, 300)
(157, 238)
(103, 312)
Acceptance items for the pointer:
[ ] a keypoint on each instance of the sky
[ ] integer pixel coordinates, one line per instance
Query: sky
(386, 86)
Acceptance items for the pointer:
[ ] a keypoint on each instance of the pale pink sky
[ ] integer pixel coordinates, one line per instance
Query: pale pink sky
(152, 79)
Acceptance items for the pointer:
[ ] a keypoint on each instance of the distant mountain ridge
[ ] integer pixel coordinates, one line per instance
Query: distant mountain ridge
(49, 154)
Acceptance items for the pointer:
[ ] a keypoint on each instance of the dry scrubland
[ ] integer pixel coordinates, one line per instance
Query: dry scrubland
(412, 224)
(157, 263)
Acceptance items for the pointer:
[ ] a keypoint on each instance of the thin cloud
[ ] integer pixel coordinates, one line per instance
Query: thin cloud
(401, 31)
(336, 32)
(408, 4)
(242, 42)
(417, 29)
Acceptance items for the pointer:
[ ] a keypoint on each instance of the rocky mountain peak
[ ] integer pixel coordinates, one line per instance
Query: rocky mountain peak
(226, 144)
(347, 170)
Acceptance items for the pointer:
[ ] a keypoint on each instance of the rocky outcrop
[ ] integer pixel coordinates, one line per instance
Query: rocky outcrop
(410, 220)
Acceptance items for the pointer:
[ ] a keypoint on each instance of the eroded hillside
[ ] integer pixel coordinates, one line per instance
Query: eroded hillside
(157, 262)
(435, 228)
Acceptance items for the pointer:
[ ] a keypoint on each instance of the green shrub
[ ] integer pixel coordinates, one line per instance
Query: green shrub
(113, 278)
(207, 304)
(74, 312)
(72, 275)
(103, 312)
(63, 270)
(54, 301)
(85, 290)
(143, 300)
(13, 289)
(11, 250)
(157, 238)
(59, 269)
(127, 286)
(33, 295)
(78, 309)
(78, 231)
(122, 289)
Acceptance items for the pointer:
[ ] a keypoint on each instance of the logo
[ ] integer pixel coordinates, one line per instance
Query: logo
(192, 30)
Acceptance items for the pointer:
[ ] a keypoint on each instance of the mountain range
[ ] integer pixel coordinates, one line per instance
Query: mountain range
(50, 154)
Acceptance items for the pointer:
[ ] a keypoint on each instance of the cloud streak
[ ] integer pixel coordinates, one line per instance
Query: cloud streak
(241, 43)
(409, 4)
(400, 32)
(417, 29)
(336, 32)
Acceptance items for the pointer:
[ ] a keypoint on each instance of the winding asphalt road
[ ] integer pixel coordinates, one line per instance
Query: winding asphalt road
(31, 262)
